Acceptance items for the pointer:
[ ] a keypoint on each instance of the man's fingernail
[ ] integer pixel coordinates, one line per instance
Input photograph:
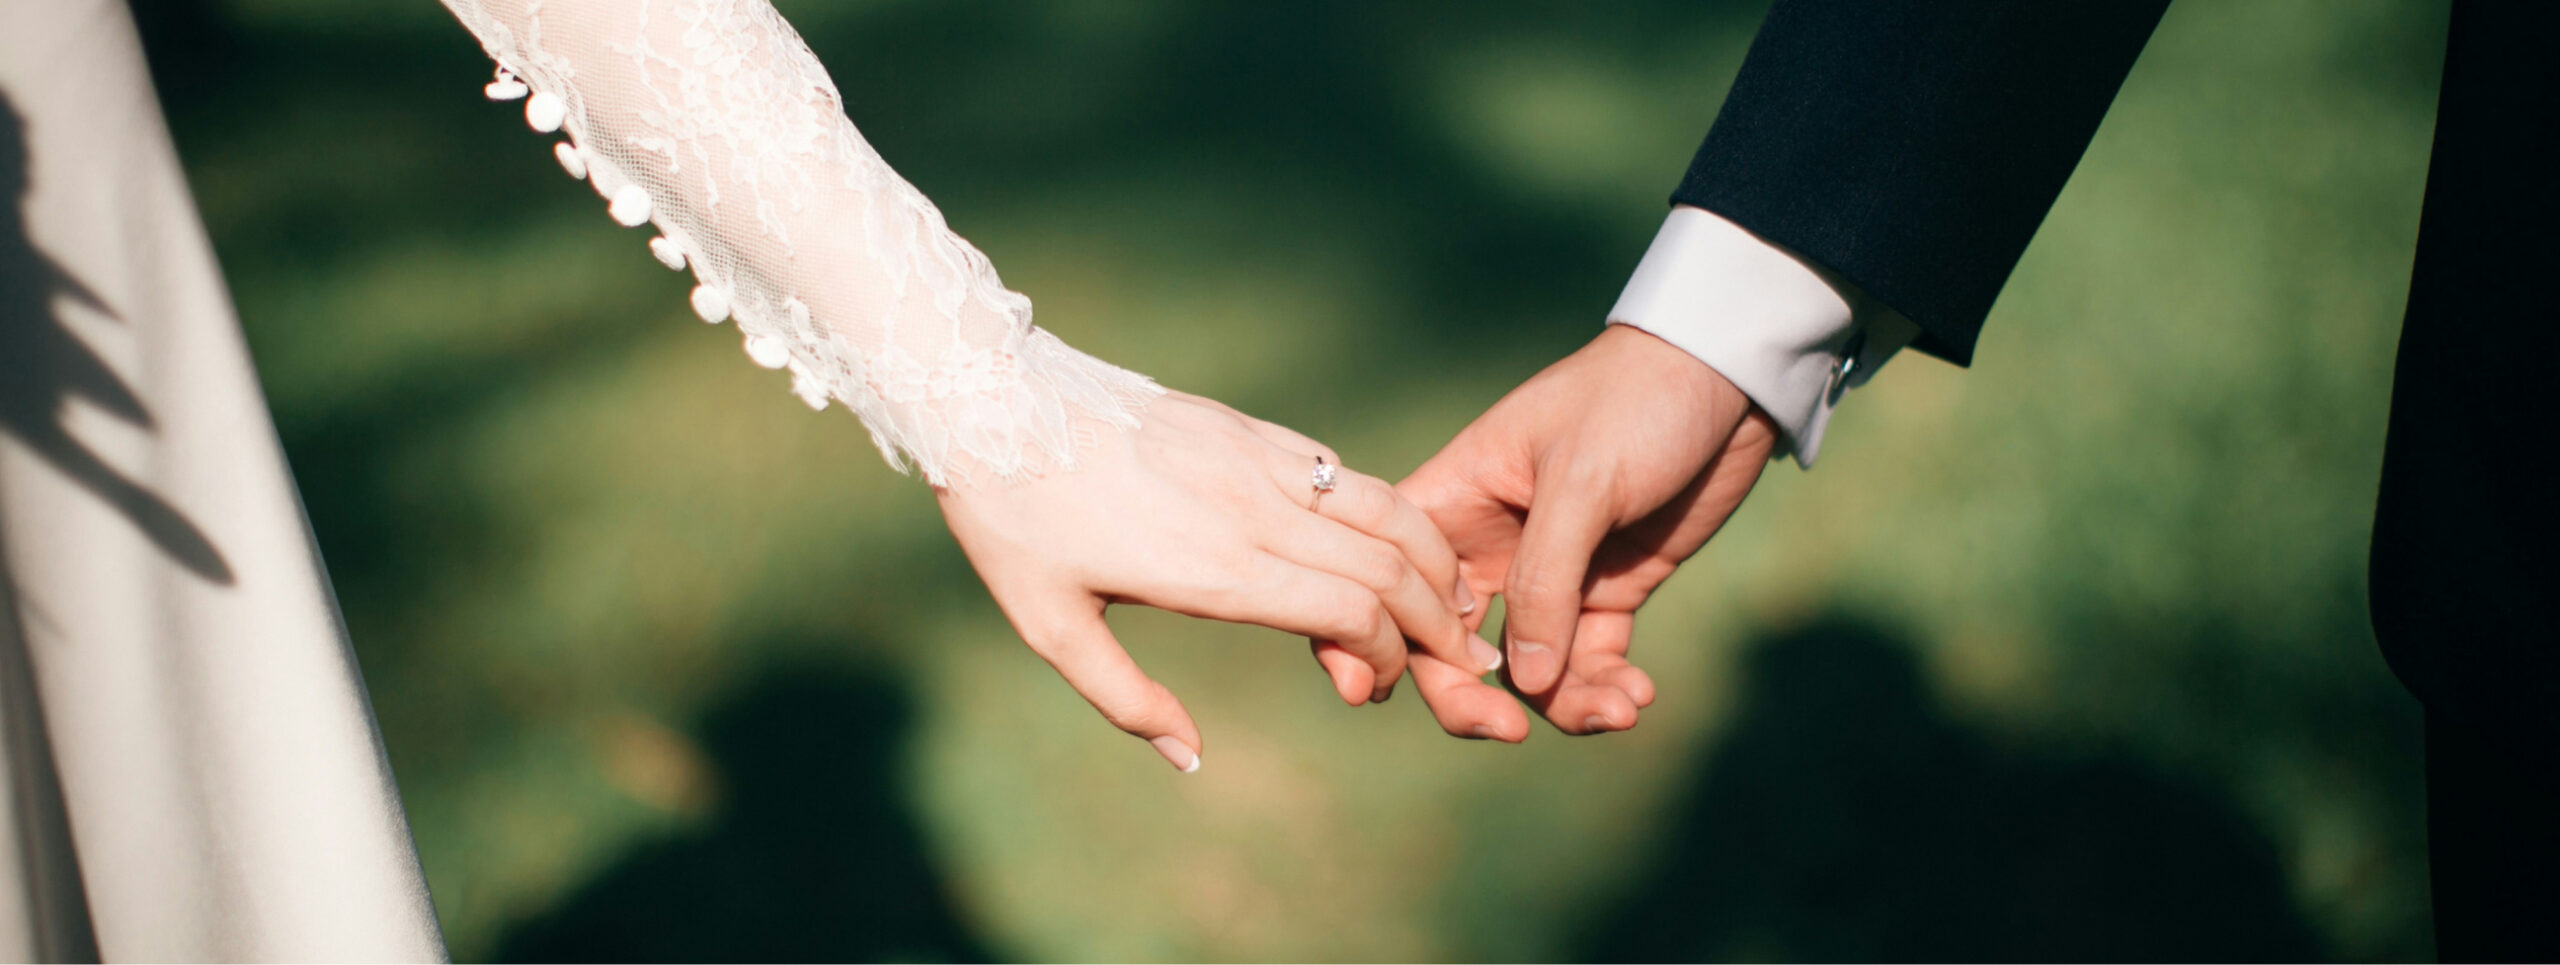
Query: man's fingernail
(1381, 695)
(1487, 655)
(1466, 599)
(1484, 731)
(1595, 724)
(1182, 757)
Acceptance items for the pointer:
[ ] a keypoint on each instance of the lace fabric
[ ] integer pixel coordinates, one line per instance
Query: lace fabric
(711, 120)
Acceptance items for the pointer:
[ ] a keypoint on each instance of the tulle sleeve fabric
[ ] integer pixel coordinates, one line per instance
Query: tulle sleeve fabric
(711, 121)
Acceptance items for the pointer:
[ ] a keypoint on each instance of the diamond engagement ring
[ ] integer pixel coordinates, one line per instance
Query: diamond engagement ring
(1322, 481)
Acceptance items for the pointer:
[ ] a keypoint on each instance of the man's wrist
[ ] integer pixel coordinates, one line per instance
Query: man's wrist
(1679, 373)
(1790, 335)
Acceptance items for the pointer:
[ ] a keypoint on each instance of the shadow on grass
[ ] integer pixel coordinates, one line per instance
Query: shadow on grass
(813, 856)
(1846, 816)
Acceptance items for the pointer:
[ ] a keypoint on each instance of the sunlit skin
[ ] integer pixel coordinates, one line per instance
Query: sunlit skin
(1205, 511)
(1573, 498)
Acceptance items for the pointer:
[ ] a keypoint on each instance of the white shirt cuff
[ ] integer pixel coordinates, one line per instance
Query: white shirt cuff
(1793, 337)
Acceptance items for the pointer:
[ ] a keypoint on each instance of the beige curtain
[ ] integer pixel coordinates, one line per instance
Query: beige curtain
(188, 767)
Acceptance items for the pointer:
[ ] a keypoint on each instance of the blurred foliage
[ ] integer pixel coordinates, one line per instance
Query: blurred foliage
(2065, 656)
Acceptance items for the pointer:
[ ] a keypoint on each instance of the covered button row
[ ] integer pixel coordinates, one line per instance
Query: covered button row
(630, 206)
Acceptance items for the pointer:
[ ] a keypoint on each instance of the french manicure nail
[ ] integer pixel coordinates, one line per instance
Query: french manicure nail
(1487, 655)
(1466, 599)
(1182, 758)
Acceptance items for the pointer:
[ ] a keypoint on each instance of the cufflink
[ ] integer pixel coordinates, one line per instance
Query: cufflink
(1848, 364)
(1844, 368)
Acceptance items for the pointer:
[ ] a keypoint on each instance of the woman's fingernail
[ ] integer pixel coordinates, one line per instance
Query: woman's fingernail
(1182, 757)
(1484, 731)
(1466, 599)
(1487, 655)
(1595, 724)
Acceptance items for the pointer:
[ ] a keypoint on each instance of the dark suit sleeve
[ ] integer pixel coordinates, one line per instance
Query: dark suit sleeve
(1913, 147)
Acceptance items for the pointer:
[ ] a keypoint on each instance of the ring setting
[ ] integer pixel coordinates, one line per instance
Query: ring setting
(1322, 480)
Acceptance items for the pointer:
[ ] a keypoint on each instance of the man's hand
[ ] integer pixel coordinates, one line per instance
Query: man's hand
(1573, 498)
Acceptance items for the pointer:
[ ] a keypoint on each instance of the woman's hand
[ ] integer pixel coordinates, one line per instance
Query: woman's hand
(1205, 511)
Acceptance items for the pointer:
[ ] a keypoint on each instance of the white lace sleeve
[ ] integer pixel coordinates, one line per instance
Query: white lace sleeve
(712, 120)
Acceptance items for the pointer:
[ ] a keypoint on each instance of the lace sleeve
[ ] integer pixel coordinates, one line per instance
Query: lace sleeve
(712, 121)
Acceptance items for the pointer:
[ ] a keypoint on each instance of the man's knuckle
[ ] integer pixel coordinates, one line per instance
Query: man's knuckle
(1539, 589)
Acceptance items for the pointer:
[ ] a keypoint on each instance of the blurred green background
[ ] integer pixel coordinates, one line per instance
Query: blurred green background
(2065, 656)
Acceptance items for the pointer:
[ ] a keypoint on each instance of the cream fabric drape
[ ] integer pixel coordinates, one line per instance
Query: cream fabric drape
(188, 767)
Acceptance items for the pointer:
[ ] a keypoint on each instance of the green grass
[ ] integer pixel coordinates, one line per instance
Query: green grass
(2117, 564)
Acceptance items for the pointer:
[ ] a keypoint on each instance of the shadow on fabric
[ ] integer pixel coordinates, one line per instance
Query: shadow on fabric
(1845, 816)
(43, 367)
(47, 873)
(813, 855)
(56, 913)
